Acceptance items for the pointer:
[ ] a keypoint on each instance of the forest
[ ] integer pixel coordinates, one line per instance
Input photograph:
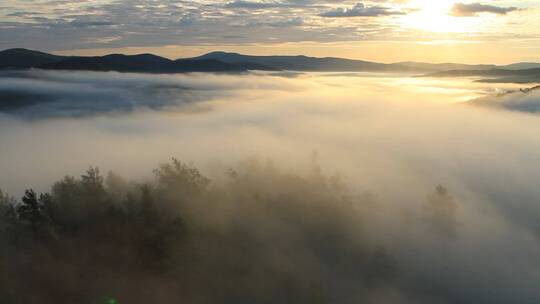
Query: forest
(260, 235)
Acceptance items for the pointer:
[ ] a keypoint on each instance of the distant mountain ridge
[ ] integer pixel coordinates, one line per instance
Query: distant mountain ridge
(447, 66)
(305, 63)
(497, 75)
(490, 72)
(144, 63)
(23, 58)
(233, 62)
(523, 100)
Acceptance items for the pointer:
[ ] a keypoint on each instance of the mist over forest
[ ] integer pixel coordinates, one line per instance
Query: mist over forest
(260, 188)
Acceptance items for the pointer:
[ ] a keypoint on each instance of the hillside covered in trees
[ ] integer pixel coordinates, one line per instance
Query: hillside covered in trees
(259, 236)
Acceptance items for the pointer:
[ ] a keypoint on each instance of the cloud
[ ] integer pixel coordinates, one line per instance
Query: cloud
(360, 10)
(397, 141)
(246, 4)
(40, 94)
(142, 23)
(89, 23)
(525, 100)
(85, 25)
(473, 9)
(253, 4)
(279, 23)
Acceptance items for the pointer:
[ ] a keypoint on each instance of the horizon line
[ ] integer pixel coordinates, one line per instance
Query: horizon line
(63, 53)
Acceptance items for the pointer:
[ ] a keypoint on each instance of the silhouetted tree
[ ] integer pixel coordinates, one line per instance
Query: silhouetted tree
(382, 268)
(7, 204)
(32, 209)
(264, 236)
(8, 220)
(116, 186)
(181, 178)
(441, 212)
(93, 184)
(131, 206)
(148, 210)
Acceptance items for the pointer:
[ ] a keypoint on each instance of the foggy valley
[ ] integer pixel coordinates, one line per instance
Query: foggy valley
(269, 152)
(315, 187)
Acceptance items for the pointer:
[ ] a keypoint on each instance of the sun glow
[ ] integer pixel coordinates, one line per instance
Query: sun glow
(434, 16)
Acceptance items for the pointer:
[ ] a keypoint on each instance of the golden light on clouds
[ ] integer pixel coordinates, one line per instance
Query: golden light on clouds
(433, 16)
(470, 31)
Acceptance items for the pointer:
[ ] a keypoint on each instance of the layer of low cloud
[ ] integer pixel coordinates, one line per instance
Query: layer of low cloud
(393, 144)
(41, 94)
(526, 100)
(473, 9)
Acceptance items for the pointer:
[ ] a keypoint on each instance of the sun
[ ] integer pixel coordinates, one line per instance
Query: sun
(433, 16)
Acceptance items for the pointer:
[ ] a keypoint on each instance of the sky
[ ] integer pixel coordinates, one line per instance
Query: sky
(496, 31)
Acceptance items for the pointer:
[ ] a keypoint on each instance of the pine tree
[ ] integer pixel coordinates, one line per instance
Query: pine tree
(31, 210)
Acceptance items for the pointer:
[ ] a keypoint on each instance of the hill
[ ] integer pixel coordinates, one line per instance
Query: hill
(446, 66)
(144, 63)
(234, 62)
(494, 75)
(304, 63)
(23, 59)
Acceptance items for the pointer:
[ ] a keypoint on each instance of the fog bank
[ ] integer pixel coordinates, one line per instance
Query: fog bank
(393, 139)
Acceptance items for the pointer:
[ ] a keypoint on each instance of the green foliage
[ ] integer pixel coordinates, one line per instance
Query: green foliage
(110, 301)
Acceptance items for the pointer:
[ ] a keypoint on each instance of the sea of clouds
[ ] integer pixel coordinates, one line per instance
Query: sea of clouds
(393, 138)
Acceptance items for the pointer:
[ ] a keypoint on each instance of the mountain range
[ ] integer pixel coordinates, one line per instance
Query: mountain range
(232, 62)
(496, 75)
(15, 59)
